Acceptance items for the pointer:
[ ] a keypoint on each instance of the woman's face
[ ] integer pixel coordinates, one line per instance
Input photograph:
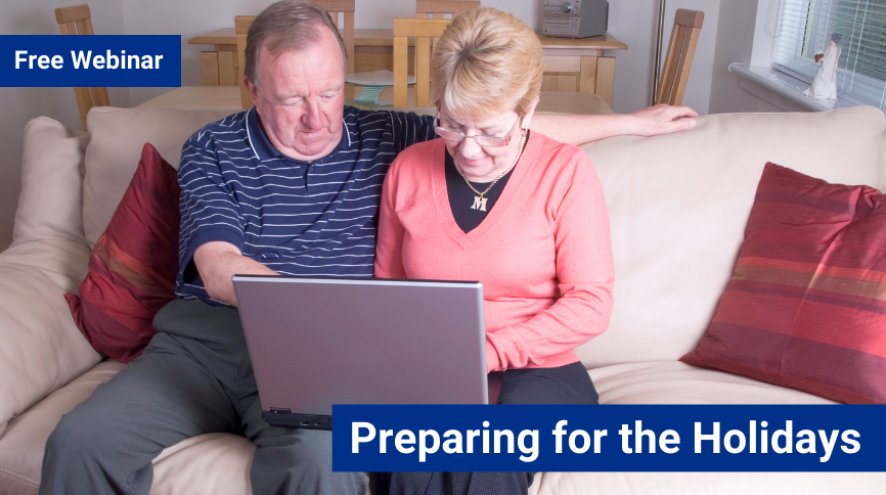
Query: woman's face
(483, 163)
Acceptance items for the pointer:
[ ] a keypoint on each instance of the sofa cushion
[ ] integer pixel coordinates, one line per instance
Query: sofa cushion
(133, 266)
(678, 206)
(52, 176)
(23, 442)
(673, 382)
(805, 307)
(710, 483)
(182, 468)
(118, 135)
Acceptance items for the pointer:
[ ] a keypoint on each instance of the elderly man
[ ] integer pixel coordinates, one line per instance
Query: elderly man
(291, 186)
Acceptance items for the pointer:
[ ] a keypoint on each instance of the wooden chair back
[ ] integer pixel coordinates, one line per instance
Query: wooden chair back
(678, 61)
(241, 28)
(423, 30)
(438, 8)
(77, 20)
(346, 7)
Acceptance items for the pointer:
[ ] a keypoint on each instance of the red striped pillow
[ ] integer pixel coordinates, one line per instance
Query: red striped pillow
(806, 305)
(133, 266)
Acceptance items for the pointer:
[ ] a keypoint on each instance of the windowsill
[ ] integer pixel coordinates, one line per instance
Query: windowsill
(782, 90)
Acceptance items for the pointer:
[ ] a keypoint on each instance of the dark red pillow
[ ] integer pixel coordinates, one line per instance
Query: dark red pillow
(133, 266)
(806, 305)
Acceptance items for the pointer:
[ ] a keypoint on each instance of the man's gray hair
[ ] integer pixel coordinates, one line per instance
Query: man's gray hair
(284, 26)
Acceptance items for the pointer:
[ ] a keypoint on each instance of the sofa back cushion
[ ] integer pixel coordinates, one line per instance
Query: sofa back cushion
(118, 135)
(52, 171)
(679, 204)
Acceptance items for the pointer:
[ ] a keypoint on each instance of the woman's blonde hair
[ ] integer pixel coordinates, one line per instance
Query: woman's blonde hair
(487, 62)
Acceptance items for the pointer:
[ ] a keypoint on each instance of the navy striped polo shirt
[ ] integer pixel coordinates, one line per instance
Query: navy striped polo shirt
(295, 217)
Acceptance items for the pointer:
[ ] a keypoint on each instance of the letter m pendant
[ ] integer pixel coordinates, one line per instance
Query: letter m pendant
(479, 203)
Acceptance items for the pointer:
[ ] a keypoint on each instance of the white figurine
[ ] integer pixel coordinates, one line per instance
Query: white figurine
(824, 85)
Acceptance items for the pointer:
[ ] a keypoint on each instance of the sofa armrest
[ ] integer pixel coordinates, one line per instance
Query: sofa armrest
(42, 347)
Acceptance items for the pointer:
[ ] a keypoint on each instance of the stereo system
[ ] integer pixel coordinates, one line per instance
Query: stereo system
(575, 18)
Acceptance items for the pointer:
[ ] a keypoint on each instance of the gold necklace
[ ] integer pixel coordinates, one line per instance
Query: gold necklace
(479, 200)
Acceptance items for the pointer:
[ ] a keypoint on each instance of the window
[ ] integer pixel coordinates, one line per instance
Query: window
(805, 26)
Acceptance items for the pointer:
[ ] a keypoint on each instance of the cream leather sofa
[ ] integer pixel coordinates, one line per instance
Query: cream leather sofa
(678, 206)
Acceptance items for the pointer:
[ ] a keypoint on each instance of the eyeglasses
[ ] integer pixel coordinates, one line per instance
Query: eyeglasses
(481, 139)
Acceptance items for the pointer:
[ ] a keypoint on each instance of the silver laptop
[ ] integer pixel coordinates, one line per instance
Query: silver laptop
(315, 342)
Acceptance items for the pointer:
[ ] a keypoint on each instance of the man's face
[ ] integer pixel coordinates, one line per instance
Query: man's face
(301, 98)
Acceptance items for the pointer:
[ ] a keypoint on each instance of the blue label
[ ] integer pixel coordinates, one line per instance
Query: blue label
(609, 438)
(55, 61)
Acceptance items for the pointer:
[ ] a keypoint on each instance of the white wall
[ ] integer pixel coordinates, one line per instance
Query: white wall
(22, 104)
(735, 41)
(635, 22)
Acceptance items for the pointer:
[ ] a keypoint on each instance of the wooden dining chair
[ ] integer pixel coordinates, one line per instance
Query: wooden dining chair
(346, 7)
(436, 9)
(77, 20)
(423, 30)
(678, 61)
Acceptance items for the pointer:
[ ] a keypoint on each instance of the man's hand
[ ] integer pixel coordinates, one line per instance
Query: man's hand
(660, 119)
(217, 262)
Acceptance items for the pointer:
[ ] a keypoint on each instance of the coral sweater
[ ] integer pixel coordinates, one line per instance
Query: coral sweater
(543, 252)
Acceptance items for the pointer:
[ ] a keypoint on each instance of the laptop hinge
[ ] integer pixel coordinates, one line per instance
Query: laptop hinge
(278, 416)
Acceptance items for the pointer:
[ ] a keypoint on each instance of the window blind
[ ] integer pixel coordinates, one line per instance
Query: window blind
(806, 26)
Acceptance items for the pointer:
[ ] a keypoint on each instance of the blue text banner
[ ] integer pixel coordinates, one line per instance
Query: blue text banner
(91, 61)
(609, 438)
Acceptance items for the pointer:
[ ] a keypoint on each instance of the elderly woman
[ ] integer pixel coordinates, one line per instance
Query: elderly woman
(518, 211)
